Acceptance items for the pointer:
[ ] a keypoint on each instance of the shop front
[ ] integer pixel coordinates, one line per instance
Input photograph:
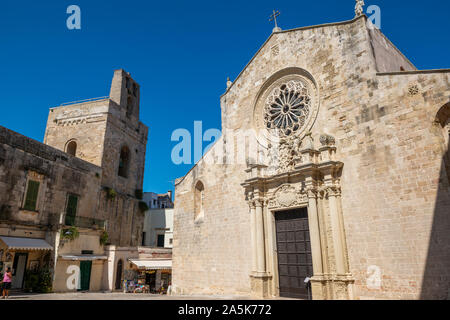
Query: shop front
(25, 257)
(149, 276)
(82, 272)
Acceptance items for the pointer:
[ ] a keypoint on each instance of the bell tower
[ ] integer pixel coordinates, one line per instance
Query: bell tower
(125, 137)
(107, 132)
(126, 93)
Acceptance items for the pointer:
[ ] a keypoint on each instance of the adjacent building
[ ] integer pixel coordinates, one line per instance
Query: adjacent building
(158, 223)
(63, 200)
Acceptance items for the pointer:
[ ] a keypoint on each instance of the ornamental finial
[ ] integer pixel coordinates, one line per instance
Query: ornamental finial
(229, 83)
(359, 8)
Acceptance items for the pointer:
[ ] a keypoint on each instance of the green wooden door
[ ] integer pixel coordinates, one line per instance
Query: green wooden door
(85, 273)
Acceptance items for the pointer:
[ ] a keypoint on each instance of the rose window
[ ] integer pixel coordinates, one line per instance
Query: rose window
(287, 108)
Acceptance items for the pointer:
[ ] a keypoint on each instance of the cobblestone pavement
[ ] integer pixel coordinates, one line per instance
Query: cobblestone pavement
(114, 296)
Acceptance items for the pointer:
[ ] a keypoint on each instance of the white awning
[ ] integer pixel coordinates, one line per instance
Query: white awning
(152, 264)
(14, 243)
(85, 257)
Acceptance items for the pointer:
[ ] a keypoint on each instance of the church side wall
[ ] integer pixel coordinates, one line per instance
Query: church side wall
(387, 56)
(211, 256)
(396, 199)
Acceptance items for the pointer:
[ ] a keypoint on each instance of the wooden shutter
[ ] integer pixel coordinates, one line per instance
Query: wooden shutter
(71, 210)
(32, 195)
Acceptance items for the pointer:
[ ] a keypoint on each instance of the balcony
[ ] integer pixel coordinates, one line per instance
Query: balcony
(84, 222)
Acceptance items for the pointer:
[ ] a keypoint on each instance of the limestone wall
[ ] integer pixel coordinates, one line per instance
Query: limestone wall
(395, 195)
(388, 58)
(59, 173)
(84, 123)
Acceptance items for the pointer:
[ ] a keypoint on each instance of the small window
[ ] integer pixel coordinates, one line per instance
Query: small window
(71, 209)
(31, 195)
(170, 241)
(143, 238)
(199, 196)
(72, 148)
(124, 162)
(160, 242)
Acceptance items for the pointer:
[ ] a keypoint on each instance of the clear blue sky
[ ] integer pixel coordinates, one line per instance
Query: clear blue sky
(179, 51)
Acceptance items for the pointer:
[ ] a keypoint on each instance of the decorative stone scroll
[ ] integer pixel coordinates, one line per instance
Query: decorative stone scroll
(307, 177)
(288, 196)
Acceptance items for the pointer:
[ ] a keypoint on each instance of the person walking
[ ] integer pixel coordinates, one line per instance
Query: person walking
(7, 279)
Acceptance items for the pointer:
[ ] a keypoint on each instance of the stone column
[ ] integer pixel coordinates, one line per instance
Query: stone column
(259, 277)
(317, 284)
(342, 228)
(338, 241)
(314, 229)
(260, 252)
(253, 235)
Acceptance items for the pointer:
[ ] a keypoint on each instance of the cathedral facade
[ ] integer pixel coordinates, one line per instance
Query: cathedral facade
(347, 195)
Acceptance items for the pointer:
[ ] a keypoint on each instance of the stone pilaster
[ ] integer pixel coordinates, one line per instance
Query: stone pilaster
(253, 235)
(317, 284)
(342, 281)
(260, 278)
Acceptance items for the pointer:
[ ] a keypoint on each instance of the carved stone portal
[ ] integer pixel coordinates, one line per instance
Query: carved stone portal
(306, 178)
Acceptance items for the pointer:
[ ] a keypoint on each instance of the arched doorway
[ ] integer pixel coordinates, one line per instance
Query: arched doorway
(119, 271)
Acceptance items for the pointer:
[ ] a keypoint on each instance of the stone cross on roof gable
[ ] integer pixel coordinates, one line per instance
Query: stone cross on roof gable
(273, 17)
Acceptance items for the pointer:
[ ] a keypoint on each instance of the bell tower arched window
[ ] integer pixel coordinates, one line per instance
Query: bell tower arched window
(124, 162)
(71, 148)
(129, 106)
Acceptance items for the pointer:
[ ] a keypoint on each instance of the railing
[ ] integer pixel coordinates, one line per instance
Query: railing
(83, 101)
(84, 222)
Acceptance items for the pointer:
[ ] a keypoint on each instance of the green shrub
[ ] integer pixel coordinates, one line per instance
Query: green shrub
(104, 238)
(38, 281)
(70, 233)
(111, 193)
(31, 281)
(45, 281)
